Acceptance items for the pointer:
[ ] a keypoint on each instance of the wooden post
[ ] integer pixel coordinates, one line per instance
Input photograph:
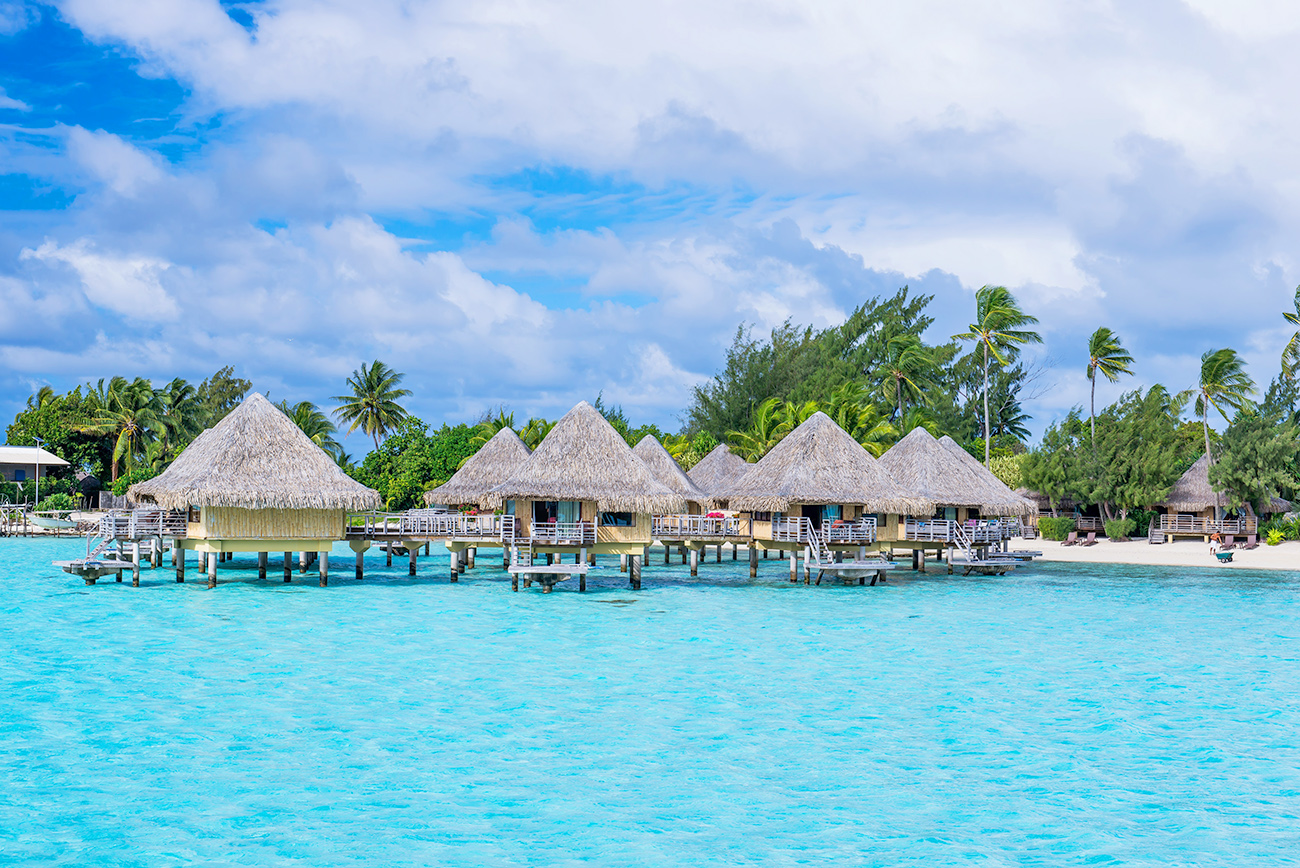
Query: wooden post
(667, 552)
(471, 554)
(135, 564)
(764, 554)
(180, 564)
(635, 573)
(916, 560)
(622, 563)
(733, 551)
(302, 562)
(591, 559)
(807, 569)
(753, 562)
(455, 573)
(324, 569)
(388, 546)
(288, 566)
(794, 566)
(414, 552)
(920, 558)
(581, 557)
(505, 557)
(682, 549)
(550, 559)
(695, 561)
(949, 558)
(514, 582)
(212, 569)
(361, 570)
(175, 550)
(157, 552)
(261, 564)
(718, 553)
(426, 549)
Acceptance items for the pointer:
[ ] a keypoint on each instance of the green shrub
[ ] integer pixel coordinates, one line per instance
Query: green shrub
(1120, 528)
(1142, 519)
(57, 501)
(126, 480)
(1055, 528)
(1275, 537)
(1279, 524)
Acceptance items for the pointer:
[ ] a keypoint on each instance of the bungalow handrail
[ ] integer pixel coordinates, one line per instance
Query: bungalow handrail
(583, 532)
(695, 525)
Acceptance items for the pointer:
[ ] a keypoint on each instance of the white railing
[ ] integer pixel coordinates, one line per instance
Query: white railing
(789, 530)
(859, 532)
(930, 530)
(1191, 524)
(579, 533)
(140, 523)
(689, 526)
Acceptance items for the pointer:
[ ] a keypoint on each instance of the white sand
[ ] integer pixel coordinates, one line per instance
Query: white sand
(1185, 553)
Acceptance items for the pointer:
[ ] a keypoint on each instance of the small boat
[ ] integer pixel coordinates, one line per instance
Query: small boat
(52, 521)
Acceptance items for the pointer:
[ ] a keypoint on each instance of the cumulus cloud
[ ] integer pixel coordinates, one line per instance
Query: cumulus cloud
(129, 285)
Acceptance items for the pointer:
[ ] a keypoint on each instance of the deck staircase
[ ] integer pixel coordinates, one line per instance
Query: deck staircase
(1155, 536)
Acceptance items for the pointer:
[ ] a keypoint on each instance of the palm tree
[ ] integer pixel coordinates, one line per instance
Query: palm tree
(793, 415)
(373, 406)
(852, 410)
(1107, 356)
(315, 424)
(184, 415)
(763, 433)
(909, 370)
(535, 431)
(133, 413)
(1291, 355)
(1224, 383)
(998, 329)
(488, 428)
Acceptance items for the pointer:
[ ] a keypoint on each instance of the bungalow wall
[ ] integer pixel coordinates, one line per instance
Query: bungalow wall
(227, 522)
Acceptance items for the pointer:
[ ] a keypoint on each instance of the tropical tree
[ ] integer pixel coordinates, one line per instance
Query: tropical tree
(132, 414)
(1224, 383)
(372, 405)
(852, 410)
(766, 428)
(1109, 358)
(488, 428)
(313, 422)
(909, 369)
(535, 431)
(1291, 354)
(184, 416)
(999, 330)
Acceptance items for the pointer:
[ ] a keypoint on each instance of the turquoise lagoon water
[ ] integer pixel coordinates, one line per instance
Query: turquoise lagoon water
(1060, 715)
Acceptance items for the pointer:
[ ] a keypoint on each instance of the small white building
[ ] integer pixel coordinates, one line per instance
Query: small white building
(19, 463)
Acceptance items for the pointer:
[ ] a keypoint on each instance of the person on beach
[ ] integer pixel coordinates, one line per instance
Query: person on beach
(1215, 544)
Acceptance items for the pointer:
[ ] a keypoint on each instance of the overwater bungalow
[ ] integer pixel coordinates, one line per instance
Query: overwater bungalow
(582, 492)
(700, 526)
(966, 495)
(256, 483)
(476, 520)
(716, 471)
(818, 487)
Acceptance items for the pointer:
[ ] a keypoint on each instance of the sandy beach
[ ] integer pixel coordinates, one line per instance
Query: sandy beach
(1186, 553)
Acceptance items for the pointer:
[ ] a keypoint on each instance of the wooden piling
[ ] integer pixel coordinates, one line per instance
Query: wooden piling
(212, 569)
(135, 564)
(717, 550)
(455, 573)
(180, 564)
(288, 566)
(635, 573)
(388, 548)
(794, 566)
(667, 553)
(324, 569)
(622, 563)
(753, 562)
(414, 552)
(695, 561)
(471, 555)
(361, 561)
(261, 564)
(302, 562)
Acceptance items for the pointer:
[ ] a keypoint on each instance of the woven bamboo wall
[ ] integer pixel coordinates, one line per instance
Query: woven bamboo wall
(221, 522)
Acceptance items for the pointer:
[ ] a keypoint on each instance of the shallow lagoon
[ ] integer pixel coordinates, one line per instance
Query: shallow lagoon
(1060, 715)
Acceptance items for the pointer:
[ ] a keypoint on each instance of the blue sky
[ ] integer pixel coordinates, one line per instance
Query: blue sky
(530, 203)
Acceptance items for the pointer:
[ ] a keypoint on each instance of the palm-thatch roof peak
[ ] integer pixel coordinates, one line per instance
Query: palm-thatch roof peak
(665, 469)
(485, 469)
(255, 458)
(998, 496)
(1193, 492)
(819, 462)
(584, 458)
(717, 470)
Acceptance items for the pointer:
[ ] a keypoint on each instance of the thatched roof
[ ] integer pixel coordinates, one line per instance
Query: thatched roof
(584, 458)
(668, 472)
(997, 496)
(1192, 492)
(924, 466)
(485, 469)
(819, 463)
(1042, 500)
(255, 458)
(717, 470)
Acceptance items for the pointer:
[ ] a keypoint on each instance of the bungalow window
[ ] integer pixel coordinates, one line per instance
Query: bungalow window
(617, 519)
(510, 507)
(20, 476)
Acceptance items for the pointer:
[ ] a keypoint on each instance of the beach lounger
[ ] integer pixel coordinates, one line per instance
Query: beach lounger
(1228, 544)
(1091, 540)
(1224, 557)
(1072, 539)
(1252, 542)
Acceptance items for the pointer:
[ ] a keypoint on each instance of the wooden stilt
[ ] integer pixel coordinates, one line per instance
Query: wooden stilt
(324, 569)
(361, 565)
(733, 551)
(303, 558)
(550, 559)
(634, 574)
(388, 547)
(157, 552)
(916, 559)
(920, 557)
(212, 569)
(261, 564)
(753, 562)
(180, 564)
(764, 554)
(717, 551)
(667, 553)
(455, 572)
(135, 564)
(472, 555)
(622, 563)
(414, 552)
(695, 561)
(175, 552)
(514, 581)
(288, 566)
(426, 549)
(807, 568)
(682, 550)
(794, 566)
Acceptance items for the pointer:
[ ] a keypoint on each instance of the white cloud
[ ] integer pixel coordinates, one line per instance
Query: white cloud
(120, 166)
(6, 101)
(129, 285)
